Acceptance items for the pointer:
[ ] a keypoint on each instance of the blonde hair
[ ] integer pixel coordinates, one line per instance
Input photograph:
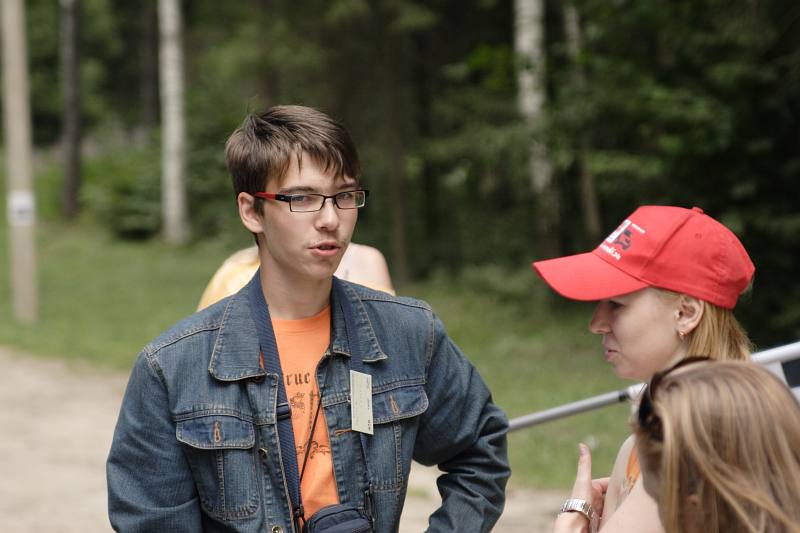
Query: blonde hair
(718, 334)
(729, 444)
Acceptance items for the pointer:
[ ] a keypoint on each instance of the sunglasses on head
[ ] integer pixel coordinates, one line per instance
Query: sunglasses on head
(648, 420)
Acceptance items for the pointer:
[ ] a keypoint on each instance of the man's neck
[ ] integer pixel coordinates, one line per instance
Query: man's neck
(294, 299)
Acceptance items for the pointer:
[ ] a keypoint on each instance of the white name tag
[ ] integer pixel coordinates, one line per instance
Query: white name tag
(361, 401)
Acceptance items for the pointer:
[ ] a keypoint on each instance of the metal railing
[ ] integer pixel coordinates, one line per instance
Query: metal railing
(772, 356)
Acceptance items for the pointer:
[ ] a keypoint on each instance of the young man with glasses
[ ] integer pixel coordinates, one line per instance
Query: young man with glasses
(369, 381)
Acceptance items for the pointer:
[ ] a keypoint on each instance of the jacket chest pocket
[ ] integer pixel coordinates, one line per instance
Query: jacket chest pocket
(220, 451)
(395, 415)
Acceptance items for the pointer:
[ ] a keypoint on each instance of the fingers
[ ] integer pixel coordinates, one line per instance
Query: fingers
(599, 489)
(600, 484)
(582, 488)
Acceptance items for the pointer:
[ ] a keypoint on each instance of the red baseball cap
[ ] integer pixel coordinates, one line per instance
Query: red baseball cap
(682, 250)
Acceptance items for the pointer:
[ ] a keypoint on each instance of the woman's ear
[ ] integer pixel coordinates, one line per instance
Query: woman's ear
(690, 312)
(251, 218)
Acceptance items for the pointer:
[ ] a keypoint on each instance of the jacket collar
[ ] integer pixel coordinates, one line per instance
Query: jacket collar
(236, 351)
(368, 341)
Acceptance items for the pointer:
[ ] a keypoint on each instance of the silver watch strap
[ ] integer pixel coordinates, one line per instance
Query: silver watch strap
(576, 505)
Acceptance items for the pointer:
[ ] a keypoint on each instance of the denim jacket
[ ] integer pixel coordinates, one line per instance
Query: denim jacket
(196, 444)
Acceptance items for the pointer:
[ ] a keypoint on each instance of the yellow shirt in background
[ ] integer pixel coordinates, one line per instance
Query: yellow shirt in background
(234, 274)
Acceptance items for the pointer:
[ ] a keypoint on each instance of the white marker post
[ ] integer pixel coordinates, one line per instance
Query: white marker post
(21, 204)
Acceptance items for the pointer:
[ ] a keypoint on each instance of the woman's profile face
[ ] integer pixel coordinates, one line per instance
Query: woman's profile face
(640, 334)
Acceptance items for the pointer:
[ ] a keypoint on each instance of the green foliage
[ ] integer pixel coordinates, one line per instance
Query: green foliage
(108, 64)
(122, 190)
(692, 103)
(685, 102)
(42, 31)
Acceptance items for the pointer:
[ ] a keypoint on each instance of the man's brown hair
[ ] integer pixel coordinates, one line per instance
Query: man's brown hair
(260, 150)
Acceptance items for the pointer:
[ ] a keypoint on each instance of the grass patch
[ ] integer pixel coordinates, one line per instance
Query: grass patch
(102, 299)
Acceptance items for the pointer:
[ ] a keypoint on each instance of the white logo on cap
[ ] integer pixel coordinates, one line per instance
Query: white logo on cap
(616, 233)
(624, 241)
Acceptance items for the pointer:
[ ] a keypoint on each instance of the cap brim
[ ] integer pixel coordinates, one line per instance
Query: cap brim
(586, 277)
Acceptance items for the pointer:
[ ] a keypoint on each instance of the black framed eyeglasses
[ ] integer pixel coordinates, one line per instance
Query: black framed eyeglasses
(647, 418)
(310, 202)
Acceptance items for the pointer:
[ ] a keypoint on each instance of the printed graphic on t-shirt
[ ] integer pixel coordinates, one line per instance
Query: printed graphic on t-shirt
(304, 407)
(297, 405)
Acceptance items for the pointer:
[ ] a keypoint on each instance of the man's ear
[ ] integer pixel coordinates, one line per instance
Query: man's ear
(690, 311)
(251, 218)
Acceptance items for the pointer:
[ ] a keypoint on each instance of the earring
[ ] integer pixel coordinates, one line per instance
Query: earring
(681, 335)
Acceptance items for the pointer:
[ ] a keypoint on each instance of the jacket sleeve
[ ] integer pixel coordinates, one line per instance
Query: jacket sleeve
(150, 487)
(464, 433)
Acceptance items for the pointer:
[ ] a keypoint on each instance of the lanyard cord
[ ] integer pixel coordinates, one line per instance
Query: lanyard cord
(313, 428)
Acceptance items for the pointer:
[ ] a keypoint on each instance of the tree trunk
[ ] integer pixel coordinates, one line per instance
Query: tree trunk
(173, 188)
(423, 73)
(400, 265)
(148, 65)
(21, 204)
(529, 47)
(71, 110)
(392, 54)
(591, 210)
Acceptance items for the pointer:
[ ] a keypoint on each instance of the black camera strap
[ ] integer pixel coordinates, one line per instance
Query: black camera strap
(272, 364)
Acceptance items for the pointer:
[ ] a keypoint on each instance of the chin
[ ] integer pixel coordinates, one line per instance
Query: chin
(323, 275)
(625, 373)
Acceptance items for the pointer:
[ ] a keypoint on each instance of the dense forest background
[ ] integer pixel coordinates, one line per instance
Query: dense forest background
(687, 102)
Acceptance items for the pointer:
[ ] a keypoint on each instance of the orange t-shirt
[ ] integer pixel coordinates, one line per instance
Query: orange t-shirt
(301, 344)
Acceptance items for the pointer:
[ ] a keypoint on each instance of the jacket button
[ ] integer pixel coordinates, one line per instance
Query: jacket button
(262, 452)
(277, 529)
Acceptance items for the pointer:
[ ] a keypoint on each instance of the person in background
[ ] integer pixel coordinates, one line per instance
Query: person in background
(302, 399)
(665, 282)
(360, 264)
(718, 443)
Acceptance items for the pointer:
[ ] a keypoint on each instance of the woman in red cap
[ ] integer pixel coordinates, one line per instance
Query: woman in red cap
(666, 282)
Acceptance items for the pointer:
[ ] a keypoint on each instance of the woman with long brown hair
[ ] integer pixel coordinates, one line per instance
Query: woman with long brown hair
(719, 445)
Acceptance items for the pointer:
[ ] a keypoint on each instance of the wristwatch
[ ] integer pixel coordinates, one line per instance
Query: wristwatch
(576, 505)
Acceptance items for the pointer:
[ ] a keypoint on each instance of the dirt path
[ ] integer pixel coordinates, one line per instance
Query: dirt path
(57, 421)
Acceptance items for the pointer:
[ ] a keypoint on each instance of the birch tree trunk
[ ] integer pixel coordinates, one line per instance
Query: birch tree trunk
(530, 50)
(173, 188)
(591, 210)
(71, 111)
